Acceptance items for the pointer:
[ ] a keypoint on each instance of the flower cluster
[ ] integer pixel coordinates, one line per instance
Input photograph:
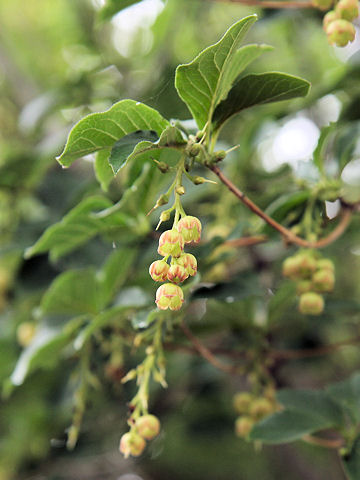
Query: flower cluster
(176, 266)
(144, 428)
(313, 276)
(251, 409)
(338, 22)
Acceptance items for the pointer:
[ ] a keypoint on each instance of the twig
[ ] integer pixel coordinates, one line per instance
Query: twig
(206, 353)
(313, 352)
(271, 4)
(324, 442)
(288, 234)
(246, 241)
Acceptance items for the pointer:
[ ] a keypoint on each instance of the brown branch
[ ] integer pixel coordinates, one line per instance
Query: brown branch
(206, 353)
(313, 352)
(324, 442)
(288, 234)
(238, 355)
(271, 4)
(246, 241)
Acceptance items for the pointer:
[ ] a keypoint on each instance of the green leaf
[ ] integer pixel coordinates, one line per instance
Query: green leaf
(125, 146)
(73, 292)
(103, 171)
(351, 461)
(115, 272)
(112, 7)
(100, 321)
(99, 131)
(319, 151)
(317, 402)
(347, 393)
(288, 426)
(204, 82)
(44, 350)
(284, 205)
(257, 89)
(76, 228)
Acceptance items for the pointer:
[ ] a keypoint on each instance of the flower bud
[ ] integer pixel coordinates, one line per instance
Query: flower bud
(189, 262)
(158, 271)
(25, 333)
(311, 303)
(162, 200)
(340, 32)
(132, 444)
(242, 402)
(330, 17)
(148, 426)
(194, 150)
(177, 273)
(325, 264)
(180, 190)
(323, 281)
(261, 407)
(243, 426)
(190, 228)
(162, 166)
(219, 155)
(171, 242)
(307, 264)
(303, 286)
(348, 9)
(322, 4)
(169, 296)
(290, 267)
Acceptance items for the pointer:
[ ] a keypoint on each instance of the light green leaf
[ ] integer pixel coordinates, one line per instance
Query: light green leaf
(76, 228)
(125, 146)
(257, 89)
(351, 461)
(73, 292)
(103, 171)
(204, 82)
(288, 426)
(319, 151)
(44, 350)
(99, 131)
(102, 320)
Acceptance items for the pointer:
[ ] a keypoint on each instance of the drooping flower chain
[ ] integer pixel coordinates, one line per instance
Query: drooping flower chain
(176, 266)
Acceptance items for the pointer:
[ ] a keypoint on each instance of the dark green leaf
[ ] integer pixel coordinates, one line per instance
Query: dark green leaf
(204, 82)
(287, 426)
(125, 146)
(318, 403)
(285, 204)
(100, 131)
(351, 461)
(257, 89)
(347, 393)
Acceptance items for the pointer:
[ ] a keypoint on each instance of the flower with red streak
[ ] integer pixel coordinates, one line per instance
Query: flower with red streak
(158, 271)
(190, 228)
(188, 261)
(169, 296)
(177, 273)
(171, 242)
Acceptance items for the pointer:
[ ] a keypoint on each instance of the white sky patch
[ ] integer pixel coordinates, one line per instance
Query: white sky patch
(328, 108)
(293, 142)
(344, 53)
(332, 208)
(351, 173)
(129, 22)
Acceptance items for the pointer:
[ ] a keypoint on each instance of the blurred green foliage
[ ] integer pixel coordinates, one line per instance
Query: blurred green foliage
(61, 60)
